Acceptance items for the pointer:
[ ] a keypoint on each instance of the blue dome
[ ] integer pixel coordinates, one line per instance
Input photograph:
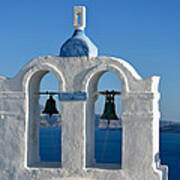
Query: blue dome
(78, 45)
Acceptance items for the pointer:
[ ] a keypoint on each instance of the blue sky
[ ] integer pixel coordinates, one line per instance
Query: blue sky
(145, 33)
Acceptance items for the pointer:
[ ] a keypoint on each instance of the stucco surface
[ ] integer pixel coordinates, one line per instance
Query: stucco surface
(19, 114)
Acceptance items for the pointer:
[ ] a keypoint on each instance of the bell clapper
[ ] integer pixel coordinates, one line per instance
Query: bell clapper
(108, 120)
(50, 119)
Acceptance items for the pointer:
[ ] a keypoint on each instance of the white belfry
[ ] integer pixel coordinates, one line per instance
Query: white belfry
(78, 69)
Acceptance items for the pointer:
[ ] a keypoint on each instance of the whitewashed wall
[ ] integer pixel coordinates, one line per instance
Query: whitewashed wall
(19, 113)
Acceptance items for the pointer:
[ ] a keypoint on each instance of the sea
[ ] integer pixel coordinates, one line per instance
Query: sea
(108, 147)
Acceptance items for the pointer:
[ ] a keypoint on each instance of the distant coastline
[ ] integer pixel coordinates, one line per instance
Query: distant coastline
(165, 126)
(169, 126)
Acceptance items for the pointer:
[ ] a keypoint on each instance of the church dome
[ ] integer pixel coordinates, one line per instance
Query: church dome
(78, 45)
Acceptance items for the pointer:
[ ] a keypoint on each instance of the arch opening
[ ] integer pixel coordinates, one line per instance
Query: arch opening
(43, 137)
(49, 131)
(103, 145)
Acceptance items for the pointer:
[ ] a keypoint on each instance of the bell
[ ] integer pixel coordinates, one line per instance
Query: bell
(50, 107)
(109, 109)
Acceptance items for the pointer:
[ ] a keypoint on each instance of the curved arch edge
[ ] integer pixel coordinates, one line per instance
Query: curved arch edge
(104, 68)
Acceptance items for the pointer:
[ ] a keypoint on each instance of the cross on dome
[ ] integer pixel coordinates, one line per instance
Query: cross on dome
(79, 44)
(79, 17)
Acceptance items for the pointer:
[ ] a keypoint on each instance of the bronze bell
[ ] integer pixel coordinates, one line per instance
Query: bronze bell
(109, 109)
(50, 107)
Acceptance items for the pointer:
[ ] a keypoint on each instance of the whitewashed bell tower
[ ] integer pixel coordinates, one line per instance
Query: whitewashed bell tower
(78, 69)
